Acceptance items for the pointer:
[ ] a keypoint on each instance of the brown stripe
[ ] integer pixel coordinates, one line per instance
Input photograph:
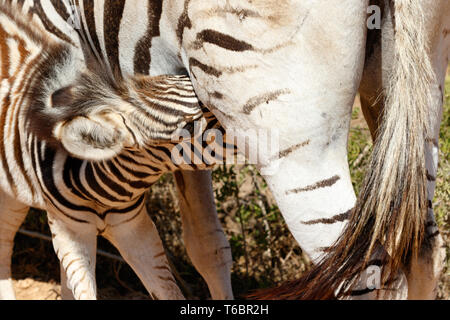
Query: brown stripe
(288, 151)
(162, 268)
(206, 69)
(5, 106)
(61, 9)
(23, 53)
(217, 95)
(183, 22)
(221, 40)
(63, 257)
(72, 262)
(337, 218)
(376, 262)
(320, 184)
(264, 98)
(324, 249)
(4, 50)
(79, 281)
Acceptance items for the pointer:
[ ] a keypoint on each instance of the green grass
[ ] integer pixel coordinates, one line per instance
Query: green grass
(441, 200)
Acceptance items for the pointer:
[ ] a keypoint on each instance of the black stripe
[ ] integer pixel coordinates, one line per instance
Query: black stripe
(111, 183)
(67, 171)
(113, 13)
(90, 22)
(264, 98)
(39, 11)
(133, 161)
(142, 57)
(191, 105)
(134, 173)
(206, 69)
(148, 150)
(94, 185)
(127, 209)
(18, 154)
(118, 175)
(46, 162)
(75, 170)
(337, 218)
(147, 114)
(159, 107)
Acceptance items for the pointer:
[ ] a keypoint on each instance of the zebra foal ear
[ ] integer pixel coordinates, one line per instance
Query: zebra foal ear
(95, 137)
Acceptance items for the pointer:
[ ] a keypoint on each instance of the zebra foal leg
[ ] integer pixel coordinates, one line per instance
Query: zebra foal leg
(12, 215)
(75, 245)
(138, 242)
(203, 235)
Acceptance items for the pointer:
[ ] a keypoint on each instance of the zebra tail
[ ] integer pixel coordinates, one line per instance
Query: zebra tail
(392, 205)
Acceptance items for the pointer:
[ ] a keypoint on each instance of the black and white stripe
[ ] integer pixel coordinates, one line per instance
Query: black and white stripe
(76, 101)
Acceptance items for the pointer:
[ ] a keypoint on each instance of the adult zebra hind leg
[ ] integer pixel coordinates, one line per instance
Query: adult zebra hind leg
(206, 244)
(291, 81)
(138, 242)
(75, 245)
(12, 214)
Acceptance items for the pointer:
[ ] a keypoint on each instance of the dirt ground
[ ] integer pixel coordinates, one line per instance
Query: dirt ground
(31, 289)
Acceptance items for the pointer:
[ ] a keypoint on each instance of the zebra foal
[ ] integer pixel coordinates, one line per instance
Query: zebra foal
(58, 103)
(301, 77)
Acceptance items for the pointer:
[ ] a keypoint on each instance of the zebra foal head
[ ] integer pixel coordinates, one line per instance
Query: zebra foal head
(98, 114)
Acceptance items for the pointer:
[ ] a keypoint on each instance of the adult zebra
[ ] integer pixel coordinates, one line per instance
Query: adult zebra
(53, 91)
(203, 240)
(295, 60)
